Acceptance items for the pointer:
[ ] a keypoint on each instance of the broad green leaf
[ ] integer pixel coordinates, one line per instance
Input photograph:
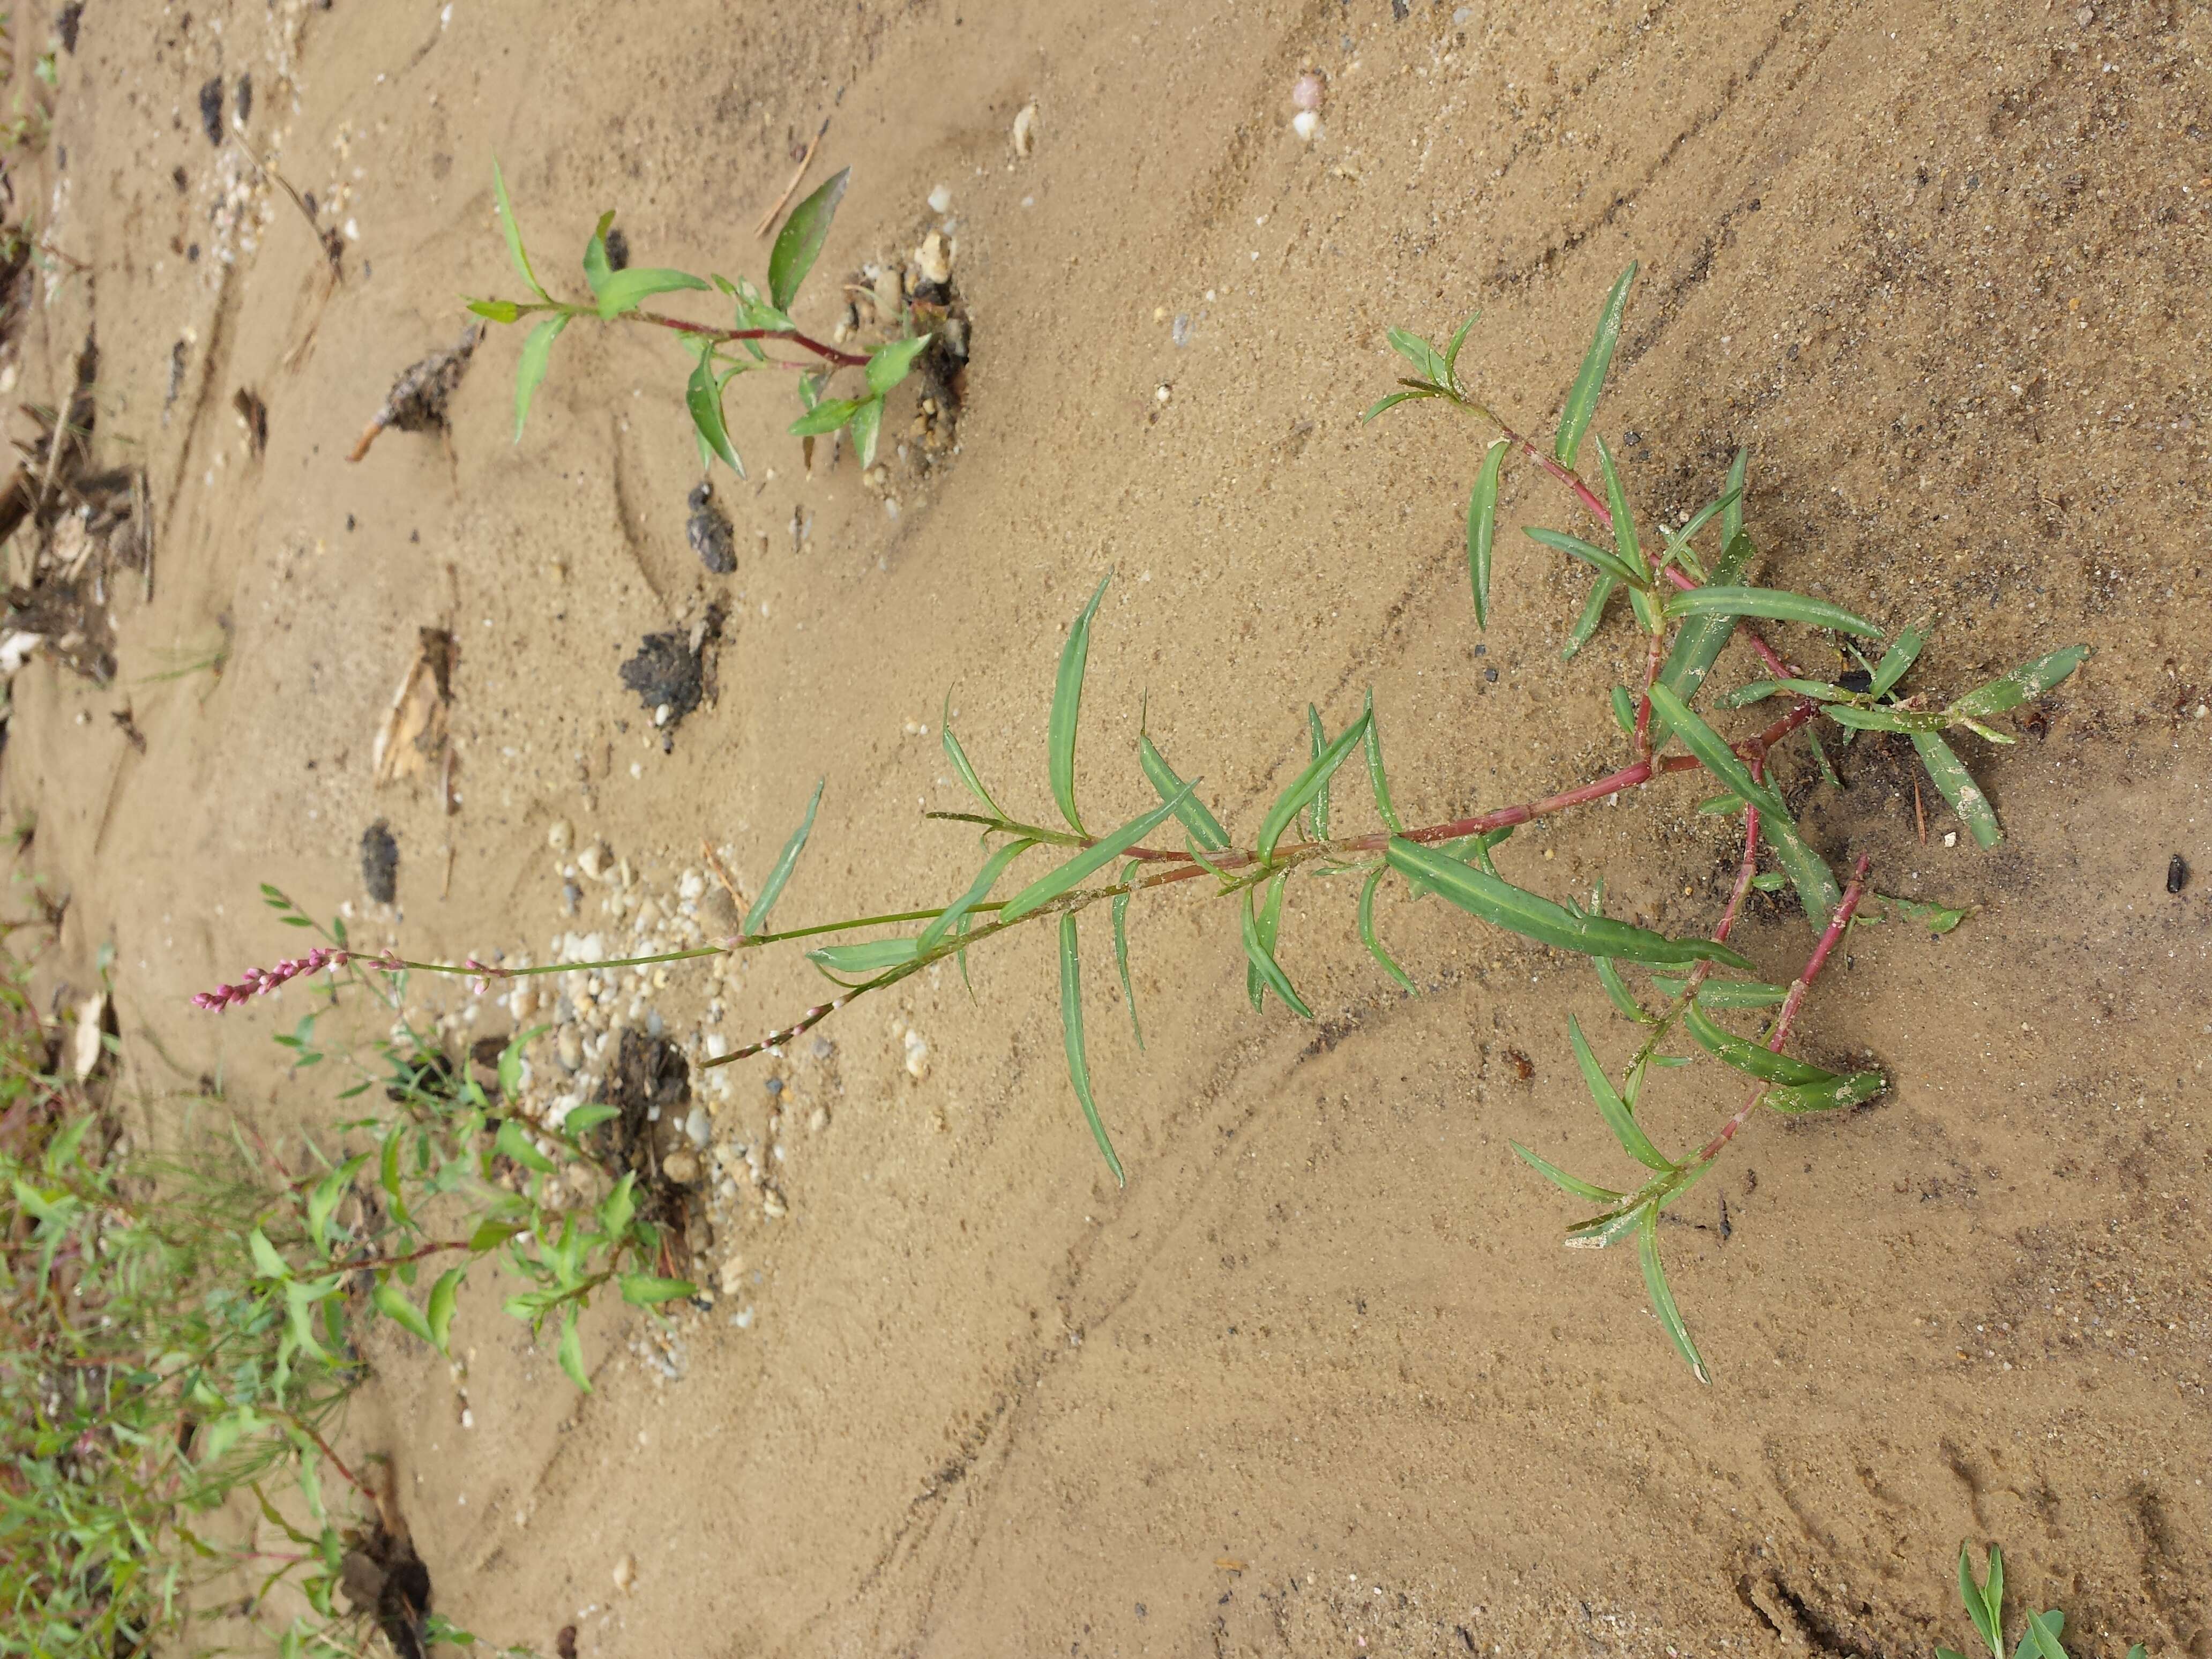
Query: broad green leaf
(497, 311)
(1317, 811)
(1486, 896)
(2029, 680)
(890, 364)
(1815, 883)
(1593, 613)
(1305, 786)
(1071, 1028)
(513, 231)
(2043, 1629)
(530, 368)
(618, 1206)
(513, 1143)
(1606, 564)
(266, 1262)
(644, 1291)
(1428, 362)
(582, 1120)
(979, 889)
(1750, 1058)
(440, 1319)
(1260, 951)
(1617, 1118)
(1957, 786)
(1191, 812)
(1626, 543)
(1582, 398)
(626, 290)
(597, 268)
(756, 918)
(1375, 775)
(1482, 528)
(1367, 932)
(1067, 705)
(1663, 1299)
(1900, 656)
(1850, 1090)
(1560, 1178)
(1935, 918)
(395, 1307)
(865, 958)
(800, 242)
(1697, 643)
(1120, 909)
(490, 1235)
(1042, 891)
(966, 773)
(572, 1349)
(867, 425)
(1770, 602)
(825, 417)
(702, 396)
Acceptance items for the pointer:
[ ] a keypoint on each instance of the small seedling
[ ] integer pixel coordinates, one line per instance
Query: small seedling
(1689, 602)
(719, 355)
(1985, 1606)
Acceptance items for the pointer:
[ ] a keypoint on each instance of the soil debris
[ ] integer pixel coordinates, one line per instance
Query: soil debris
(382, 1575)
(417, 400)
(672, 672)
(711, 536)
(2176, 873)
(211, 109)
(413, 733)
(380, 862)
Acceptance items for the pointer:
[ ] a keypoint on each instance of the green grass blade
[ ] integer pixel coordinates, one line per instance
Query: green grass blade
(1067, 705)
(1770, 602)
(1827, 767)
(978, 891)
(1260, 934)
(1606, 564)
(1957, 786)
(1663, 1299)
(1499, 902)
(1593, 613)
(1367, 932)
(1625, 540)
(1697, 643)
(1070, 1027)
(1561, 1179)
(1617, 1118)
(1582, 398)
(1375, 775)
(1317, 811)
(1903, 651)
(1204, 827)
(1306, 785)
(702, 396)
(1889, 719)
(961, 768)
(772, 889)
(1751, 1058)
(530, 368)
(800, 240)
(1732, 514)
(1482, 528)
(513, 231)
(2029, 680)
(1121, 908)
(1042, 891)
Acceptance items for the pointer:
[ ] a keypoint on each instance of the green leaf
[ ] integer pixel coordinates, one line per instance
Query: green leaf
(323, 1202)
(800, 242)
(1903, 650)
(1606, 564)
(440, 1321)
(1459, 339)
(958, 756)
(510, 1059)
(1887, 719)
(1067, 704)
(2042, 1629)
(1391, 400)
(1663, 1299)
(825, 417)
(1768, 602)
(1317, 811)
(2029, 680)
(266, 1262)
(1624, 710)
(890, 364)
(867, 425)
(756, 918)
(490, 1235)
(625, 290)
(1852, 1091)
(644, 1291)
(1593, 613)
(865, 958)
(513, 231)
(1617, 1118)
(1697, 643)
(1070, 1027)
(572, 1349)
(1428, 362)
(1560, 1178)
(1751, 1058)
(979, 889)
(1482, 527)
(400, 1311)
(1935, 918)
(1367, 932)
(1626, 543)
(1260, 946)
(618, 1206)
(1608, 975)
(1727, 993)
(1042, 891)
(1582, 398)
(1191, 811)
(1496, 901)
(1120, 909)
(514, 1142)
(1306, 786)
(530, 368)
(1732, 514)
(1678, 538)
(1375, 775)
(1957, 786)
(1815, 883)
(582, 1120)
(497, 311)
(597, 269)
(702, 396)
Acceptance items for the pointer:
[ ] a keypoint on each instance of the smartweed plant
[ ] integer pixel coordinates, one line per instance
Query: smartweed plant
(1984, 1602)
(719, 355)
(1689, 603)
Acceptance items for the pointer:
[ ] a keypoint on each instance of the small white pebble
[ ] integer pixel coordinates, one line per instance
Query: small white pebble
(1950, 838)
(1305, 123)
(940, 199)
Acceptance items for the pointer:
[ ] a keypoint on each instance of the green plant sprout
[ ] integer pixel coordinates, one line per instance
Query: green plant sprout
(1985, 1606)
(720, 355)
(1689, 603)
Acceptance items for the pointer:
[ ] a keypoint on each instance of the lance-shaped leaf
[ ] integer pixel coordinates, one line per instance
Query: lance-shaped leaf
(1367, 932)
(1120, 909)
(1561, 1179)
(1663, 1299)
(1624, 710)
(1903, 651)
(1486, 896)
(958, 756)
(1204, 827)
(1617, 1118)
(1391, 400)
(1582, 397)
(1726, 993)
(1606, 564)
(1850, 1090)
(441, 1317)
(513, 1143)
(1697, 643)
(756, 918)
(1067, 705)
(1070, 1027)
(889, 364)
(1888, 719)
(1260, 951)
(625, 290)
(702, 396)
(1482, 527)
(2030, 679)
(1608, 974)
(1428, 362)
(393, 1304)
(1815, 883)
(530, 366)
(1678, 537)
(1626, 542)
(1732, 514)
(1957, 786)
(801, 240)
(1041, 891)
(1750, 1058)
(1459, 339)
(872, 956)
(1770, 602)
(571, 1349)
(645, 1290)
(1318, 812)
(978, 891)
(1593, 613)
(1375, 775)
(1306, 786)
(513, 231)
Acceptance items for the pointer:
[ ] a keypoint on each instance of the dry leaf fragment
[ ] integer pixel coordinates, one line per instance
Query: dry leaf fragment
(413, 733)
(416, 402)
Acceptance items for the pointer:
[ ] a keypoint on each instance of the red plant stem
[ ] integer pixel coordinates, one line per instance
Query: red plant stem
(1744, 872)
(1838, 924)
(376, 1262)
(1652, 659)
(337, 1462)
(721, 335)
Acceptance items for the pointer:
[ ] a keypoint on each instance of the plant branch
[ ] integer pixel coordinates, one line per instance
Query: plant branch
(724, 335)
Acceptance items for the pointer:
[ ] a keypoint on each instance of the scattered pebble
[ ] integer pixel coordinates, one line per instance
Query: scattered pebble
(917, 1056)
(1025, 126)
(940, 199)
(625, 1574)
(560, 836)
(1306, 92)
(2176, 873)
(933, 259)
(1305, 123)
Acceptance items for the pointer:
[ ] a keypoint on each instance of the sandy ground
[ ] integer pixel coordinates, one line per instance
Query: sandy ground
(1321, 1379)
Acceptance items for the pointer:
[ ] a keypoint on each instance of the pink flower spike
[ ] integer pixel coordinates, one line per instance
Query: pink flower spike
(260, 982)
